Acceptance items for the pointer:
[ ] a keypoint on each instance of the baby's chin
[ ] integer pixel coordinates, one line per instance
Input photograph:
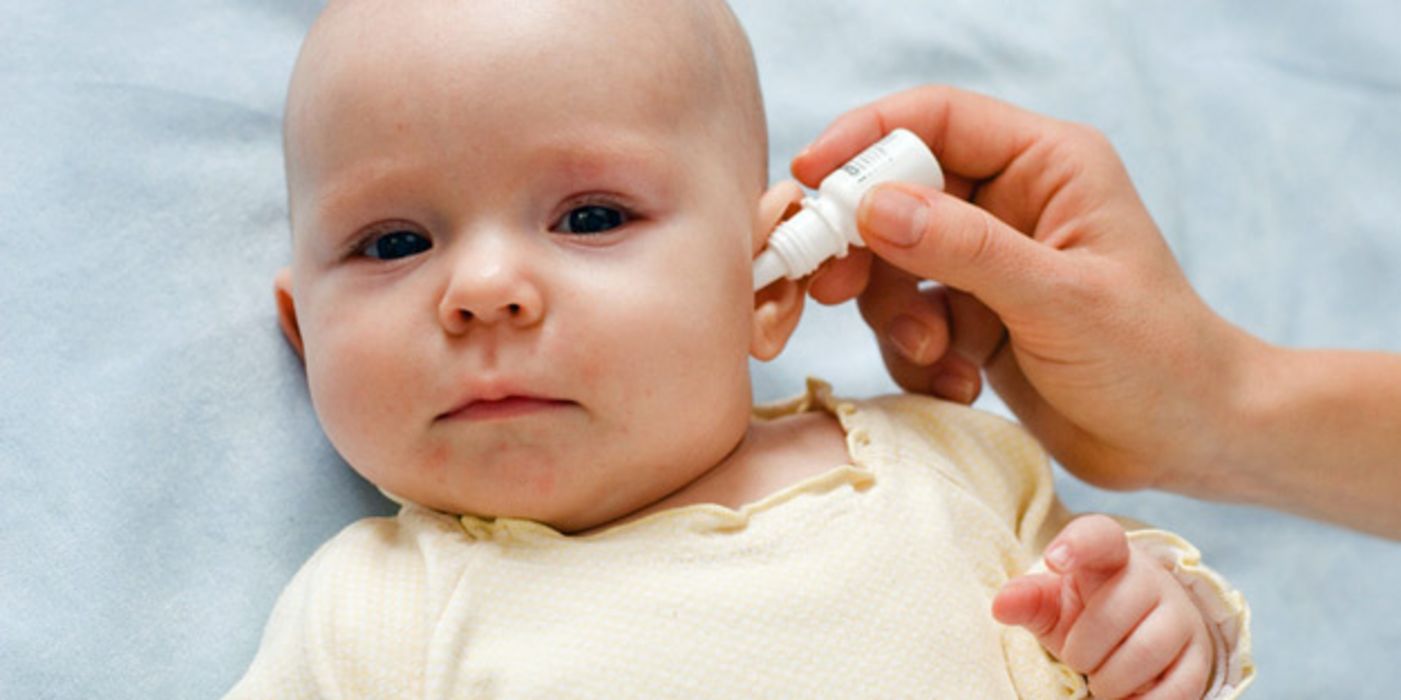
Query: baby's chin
(545, 483)
(540, 500)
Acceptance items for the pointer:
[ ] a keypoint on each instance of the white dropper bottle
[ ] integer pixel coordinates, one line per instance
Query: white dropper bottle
(826, 225)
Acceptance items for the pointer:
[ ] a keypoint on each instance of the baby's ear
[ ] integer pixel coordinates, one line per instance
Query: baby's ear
(778, 306)
(287, 310)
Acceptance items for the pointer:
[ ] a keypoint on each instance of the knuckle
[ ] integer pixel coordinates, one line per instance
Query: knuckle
(1141, 655)
(872, 311)
(1077, 657)
(977, 246)
(1107, 688)
(1088, 136)
(1095, 532)
(1173, 691)
(1099, 522)
(931, 93)
(1082, 287)
(1182, 626)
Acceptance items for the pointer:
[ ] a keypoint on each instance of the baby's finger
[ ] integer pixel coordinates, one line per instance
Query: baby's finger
(1092, 549)
(1187, 678)
(1146, 654)
(1033, 602)
(1110, 616)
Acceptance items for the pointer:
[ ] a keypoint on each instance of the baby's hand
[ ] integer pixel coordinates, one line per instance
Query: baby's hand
(1112, 613)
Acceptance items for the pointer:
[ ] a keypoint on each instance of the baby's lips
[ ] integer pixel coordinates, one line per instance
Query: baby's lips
(506, 407)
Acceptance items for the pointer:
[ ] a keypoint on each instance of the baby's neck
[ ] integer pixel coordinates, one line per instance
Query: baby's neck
(773, 455)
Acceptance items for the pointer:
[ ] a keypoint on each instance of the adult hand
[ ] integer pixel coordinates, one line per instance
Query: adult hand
(1055, 280)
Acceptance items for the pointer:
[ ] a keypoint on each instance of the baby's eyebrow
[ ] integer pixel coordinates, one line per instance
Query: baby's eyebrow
(645, 167)
(586, 158)
(349, 188)
(632, 163)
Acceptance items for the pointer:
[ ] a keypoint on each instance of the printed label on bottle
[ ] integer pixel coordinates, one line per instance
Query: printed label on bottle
(863, 167)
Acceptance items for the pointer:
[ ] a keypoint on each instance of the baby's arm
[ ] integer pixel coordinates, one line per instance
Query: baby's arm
(1114, 613)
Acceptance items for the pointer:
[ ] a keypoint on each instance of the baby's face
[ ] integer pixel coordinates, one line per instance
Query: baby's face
(522, 258)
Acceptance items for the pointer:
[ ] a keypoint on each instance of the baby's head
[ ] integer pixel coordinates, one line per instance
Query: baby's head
(522, 242)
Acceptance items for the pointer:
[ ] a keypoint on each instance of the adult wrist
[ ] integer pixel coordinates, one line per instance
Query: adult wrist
(1241, 396)
(1248, 435)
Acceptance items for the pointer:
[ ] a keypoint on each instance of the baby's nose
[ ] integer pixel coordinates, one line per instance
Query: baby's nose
(499, 292)
(512, 311)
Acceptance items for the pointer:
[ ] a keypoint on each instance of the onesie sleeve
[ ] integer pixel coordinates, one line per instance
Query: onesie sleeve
(1223, 607)
(346, 626)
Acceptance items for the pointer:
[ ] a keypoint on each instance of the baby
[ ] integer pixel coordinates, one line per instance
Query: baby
(522, 242)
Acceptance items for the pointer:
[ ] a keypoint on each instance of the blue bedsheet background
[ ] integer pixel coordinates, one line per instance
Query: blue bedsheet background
(163, 475)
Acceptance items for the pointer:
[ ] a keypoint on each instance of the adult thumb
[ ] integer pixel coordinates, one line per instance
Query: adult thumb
(937, 236)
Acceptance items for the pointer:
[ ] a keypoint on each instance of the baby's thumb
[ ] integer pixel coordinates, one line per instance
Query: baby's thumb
(1032, 601)
(940, 237)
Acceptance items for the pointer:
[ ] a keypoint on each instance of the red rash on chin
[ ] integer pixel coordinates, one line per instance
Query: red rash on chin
(436, 462)
(544, 483)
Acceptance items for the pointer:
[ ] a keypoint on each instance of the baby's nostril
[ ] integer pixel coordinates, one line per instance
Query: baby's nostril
(466, 315)
(515, 309)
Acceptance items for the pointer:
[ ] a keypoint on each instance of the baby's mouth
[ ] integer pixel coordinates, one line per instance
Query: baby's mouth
(507, 407)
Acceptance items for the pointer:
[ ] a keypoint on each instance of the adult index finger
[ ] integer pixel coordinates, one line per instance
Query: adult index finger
(975, 137)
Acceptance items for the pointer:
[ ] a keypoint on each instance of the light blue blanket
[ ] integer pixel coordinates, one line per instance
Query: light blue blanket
(163, 472)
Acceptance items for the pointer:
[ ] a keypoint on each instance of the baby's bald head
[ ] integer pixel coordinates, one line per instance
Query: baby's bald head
(699, 63)
(559, 198)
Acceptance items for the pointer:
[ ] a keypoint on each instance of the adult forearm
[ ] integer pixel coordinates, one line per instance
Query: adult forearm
(1318, 433)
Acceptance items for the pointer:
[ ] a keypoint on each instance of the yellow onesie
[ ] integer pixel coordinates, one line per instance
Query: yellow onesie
(872, 580)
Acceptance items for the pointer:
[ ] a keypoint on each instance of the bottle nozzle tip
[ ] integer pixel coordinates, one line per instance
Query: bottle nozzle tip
(768, 267)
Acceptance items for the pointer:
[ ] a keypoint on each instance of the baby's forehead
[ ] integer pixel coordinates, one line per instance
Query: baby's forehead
(367, 60)
(362, 52)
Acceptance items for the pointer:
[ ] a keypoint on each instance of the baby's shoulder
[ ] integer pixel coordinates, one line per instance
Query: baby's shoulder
(948, 427)
(384, 543)
(986, 454)
(388, 565)
(357, 612)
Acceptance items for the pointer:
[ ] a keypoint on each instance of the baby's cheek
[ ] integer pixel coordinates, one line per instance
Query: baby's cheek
(591, 373)
(598, 356)
(358, 402)
(328, 397)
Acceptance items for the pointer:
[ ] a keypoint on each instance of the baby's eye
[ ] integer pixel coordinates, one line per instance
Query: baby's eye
(395, 244)
(591, 218)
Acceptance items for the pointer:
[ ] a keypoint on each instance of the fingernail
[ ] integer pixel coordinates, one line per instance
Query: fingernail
(894, 215)
(1058, 556)
(909, 337)
(954, 386)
